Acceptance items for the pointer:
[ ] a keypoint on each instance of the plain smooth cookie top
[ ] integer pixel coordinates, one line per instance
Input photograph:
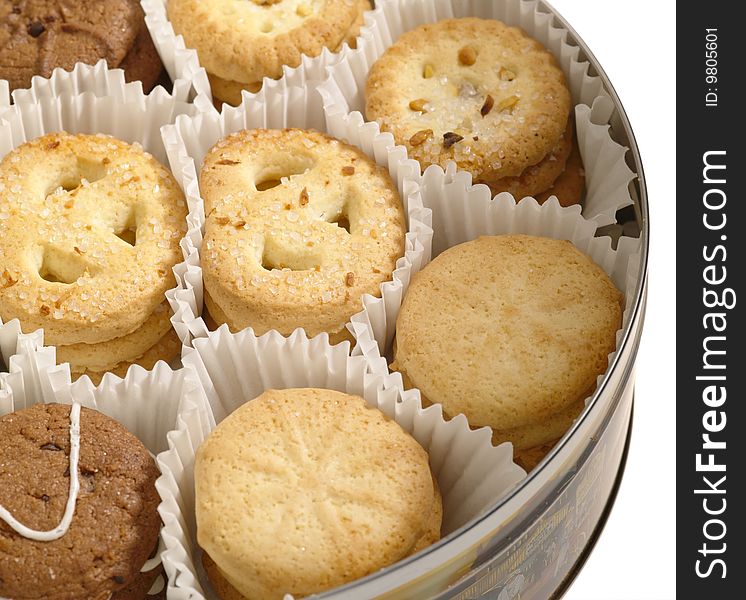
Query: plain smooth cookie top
(508, 329)
(302, 490)
(245, 40)
(471, 90)
(299, 227)
(89, 232)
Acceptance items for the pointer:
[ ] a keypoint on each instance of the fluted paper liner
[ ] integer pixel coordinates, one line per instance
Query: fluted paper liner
(607, 174)
(180, 62)
(104, 82)
(234, 368)
(127, 114)
(188, 141)
(16, 372)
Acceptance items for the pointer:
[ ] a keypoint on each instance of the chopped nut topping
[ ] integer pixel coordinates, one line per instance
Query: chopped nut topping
(507, 103)
(428, 71)
(489, 102)
(420, 137)
(53, 145)
(418, 104)
(467, 56)
(239, 224)
(8, 279)
(44, 310)
(450, 138)
(229, 162)
(303, 197)
(347, 171)
(106, 160)
(506, 74)
(350, 279)
(222, 220)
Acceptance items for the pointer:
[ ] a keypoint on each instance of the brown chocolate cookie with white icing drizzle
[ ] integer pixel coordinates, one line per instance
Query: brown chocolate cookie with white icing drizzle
(97, 550)
(36, 36)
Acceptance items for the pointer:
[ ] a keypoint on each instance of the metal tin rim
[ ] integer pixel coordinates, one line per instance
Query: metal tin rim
(471, 533)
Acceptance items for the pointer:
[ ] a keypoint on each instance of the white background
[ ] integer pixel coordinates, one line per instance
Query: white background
(634, 41)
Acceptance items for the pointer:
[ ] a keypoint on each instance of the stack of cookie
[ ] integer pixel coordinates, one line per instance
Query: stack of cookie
(299, 227)
(302, 490)
(240, 42)
(89, 232)
(486, 96)
(536, 320)
(37, 36)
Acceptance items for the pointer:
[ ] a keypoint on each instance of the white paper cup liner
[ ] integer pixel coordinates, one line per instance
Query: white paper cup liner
(16, 372)
(104, 82)
(147, 403)
(126, 115)
(607, 175)
(182, 62)
(234, 368)
(4, 94)
(188, 141)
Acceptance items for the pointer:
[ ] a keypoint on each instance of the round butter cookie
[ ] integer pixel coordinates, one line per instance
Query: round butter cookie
(537, 178)
(37, 36)
(470, 90)
(105, 355)
(512, 331)
(89, 232)
(225, 90)
(244, 41)
(166, 348)
(528, 458)
(302, 490)
(299, 226)
(115, 523)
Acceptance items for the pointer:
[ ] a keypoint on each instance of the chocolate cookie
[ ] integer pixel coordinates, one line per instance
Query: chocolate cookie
(36, 36)
(114, 527)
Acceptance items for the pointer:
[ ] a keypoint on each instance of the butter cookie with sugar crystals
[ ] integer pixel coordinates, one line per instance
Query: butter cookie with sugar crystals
(512, 331)
(299, 226)
(239, 42)
(89, 232)
(470, 90)
(302, 490)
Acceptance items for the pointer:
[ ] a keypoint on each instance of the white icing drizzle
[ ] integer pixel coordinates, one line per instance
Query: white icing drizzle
(61, 529)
